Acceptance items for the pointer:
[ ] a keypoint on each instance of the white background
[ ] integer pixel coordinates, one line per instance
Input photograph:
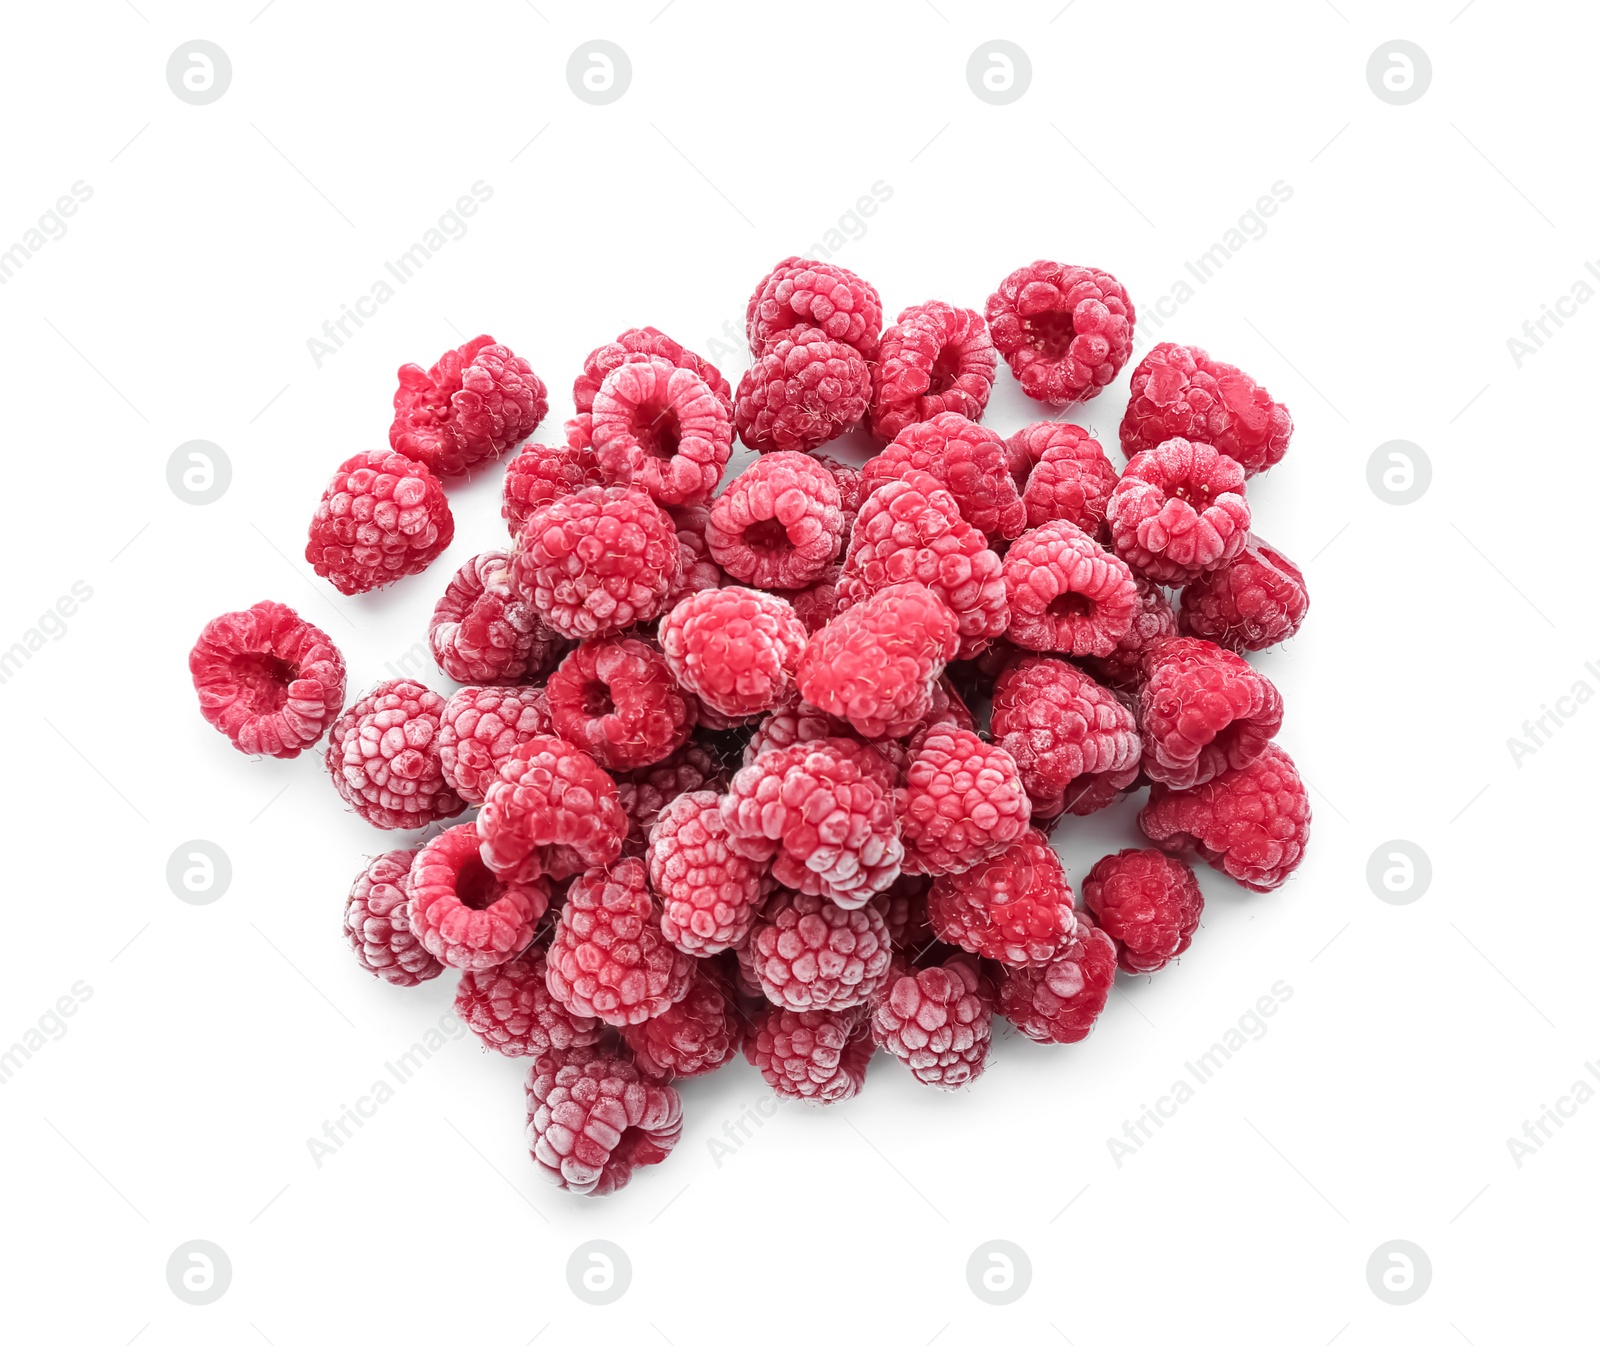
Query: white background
(1378, 304)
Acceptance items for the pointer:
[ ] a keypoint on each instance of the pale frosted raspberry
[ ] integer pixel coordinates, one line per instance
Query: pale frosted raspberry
(797, 294)
(382, 517)
(967, 459)
(1178, 511)
(962, 802)
(815, 1056)
(383, 756)
(474, 404)
(480, 727)
(481, 632)
(661, 427)
(808, 954)
(778, 524)
(1071, 479)
(643, 343)
(593, 1119)
(710, 894)
(935, 358)
(803, 391)
(1202, 710)
(734, 648)
(511, 1009)
(461, 913)
(552, 811)
(377, 923)
(1066, 593)
(541, 473)
(936, 1021)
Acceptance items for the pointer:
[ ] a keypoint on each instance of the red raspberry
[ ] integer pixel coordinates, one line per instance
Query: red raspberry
(541, 473)
(480, 727)
(644, 793)
(699, 571)
(643, 343)
(816, 1056)
(1064, 330)
(778, 524)
(699, 1034)
(593, 1119)
(1153, 620)
(808, 953)
(962, 802)
(511, 1009)
(1181, 391)
(268, 679)
(937, 1021)
(968, 460)
(662, 428)
(481, 632)
(1179, 511)
(550, 811)
(710, 894)
(1252, 602)
(1014, 907)
(1075, 743)
(1148, 902)
(382, 516)
(1059, 1001)
(462, 914)
(848, 480)
(790, 724)
(905, 913)
(935, 358)
(1202, 711)
(615, 698)
(912, 529)
(377, 923)
(1250, 822)
(876, 663)
(1071, 479)
(597, 561)
(734, 648)
(383, 755)
(1066, 593)
(798, 294)
(474, 404)
(607, 955)
(816, 606)
(805, 390)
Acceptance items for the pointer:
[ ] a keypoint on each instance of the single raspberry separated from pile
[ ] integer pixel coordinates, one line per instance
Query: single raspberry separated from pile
(1153, 620)
(699, 1034)
(550, 811)
(815, 1056)
(1015, 907)
(710, 894)
(807, 953)
(593, 1119)
(1060, 1001)
(482, 632)
(778, 524)
(1250, 822)
(797, 294)
(616, 699)
(644, 793)
(736, 649)
(643, 343)
(962, 802)
(541, 473)
(1064, 330)
(377, 923)
(967, 459)
(1066, 593)
(936, 1020)
(511, 1009)
(268, 679)
(1071, 477)
(1180, 391)
(1178, 511)
(463, 915)
(1202, 711)
(663, 428)
(383, 516)
(935, 358)
(474, 404)
(480, 727)
(805, 390)
(1252, 602)
(383, 755)
(1148, 902)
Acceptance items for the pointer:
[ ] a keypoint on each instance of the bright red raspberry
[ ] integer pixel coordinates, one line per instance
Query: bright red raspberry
(1075, 744)
(699, 571)
(816, 1056)
(816, 606)
(967, 459)
(1252, 602)
(807, 953)
(461, 913)
(597, 561)
(510, 1008)
(377, 923)
(1250, 822)
(382, 517)
(474, 404)
(268, 679)
(1148, 902)
(699, 1034)
(848, 480)
(1202, 711)
(935, 358)
(805, 390)
(643, 343)
(1014, 907)
(734, 648)
(550, 811)
(480, 727)
(607, 955)
(1154, 620)
(482, 632)
(1178, 511)
(1180, 391)
(778, 524)
(962, 802)
(541, 473)
(593, 1119)
(1060, 1000)
(710, 894)
(1071, 478)
(663, 428)
(644, 793)
(1064, 330)
(616, 699)
(936, 1020)
(383, 755)
(1066, 593)
(797, 294)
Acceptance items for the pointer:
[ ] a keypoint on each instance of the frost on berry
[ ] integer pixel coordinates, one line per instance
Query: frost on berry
(512, 1011)
(803, 391)
(481, 632)
(967, 459)
(552, 811)
(699, 1034)
(616, 699)
(934, 358)
(962, 801)
(936, 1021)
(1059, 1001)
(1153, 620)
(1070, 478)
(734, 648)
(662, 427)
(479, 728)
(1014, 907)
(778, 524)
(383, 756)
(1178, 511)
(1066, 593)
(382, 517)
(540, 473)
(1202, 710)
(647, 790)
(464, 915)
(1064, 330)
(797, 294)
(815, 1056)
(807, 953)
(593, 1119)
(710, 894)
(643, 343)
(1249, 603)
(1148, 902)
(377, 923)
(1180, 391)
(474, 404)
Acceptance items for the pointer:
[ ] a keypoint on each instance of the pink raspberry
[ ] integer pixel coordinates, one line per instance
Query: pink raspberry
(803, 391)
(383, 755)
(710, 894)
(816, 1056)
(480, 727)
(377, 923)
(593, 1119)
(643, 343)
(1153, 620)
(905, 913)
(1071, 479)
(1060, 1000)
(1064, 330)
(481, 632)
(550, 811)
(806, 953)
(382, 517)
(1202, 711)
(1180, 391)
(797, 294)
(699, 1034)
(968, 460)
(736, 649)
(793, 723)
(541, 473)
(1066, 593)
(510, 1008)
(778, 524)
(935, 358)
(645, 792)
(1026, 446)
(474, 404)
(848, 480)
(816, 605)
(1014, 907)
(268, 679)
(962, 802)
(936, 1021)
(1179, 511)
(616, 699)
(661, 427)
(461, 913)
(699, 571)
(1148, 902)
(1252, 602)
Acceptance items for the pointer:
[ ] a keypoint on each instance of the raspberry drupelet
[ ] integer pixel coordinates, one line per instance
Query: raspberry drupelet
(1059, 1001)
(1153, 620)
(482, 632)
(551, 810)
(807, 953)
(935, 358)
(593, 1119)
(803, 391)
(661, 427)
(1014, 907)
(1148, 902)
(643, 343)
(1202, 711)
(1071, 478)
(646, 791)
(475, 403)
(1252, 602)
(735, 648)
(616, 699)
(710, 894)
(936, 1021)
(778, 524)
(382, 517)
(699, 1034)
(480, 727)
(967, 459)
(797, 294)
(511, 1009)
(377, 923)
(1064, 330)
(815, 1056)
(461, 913)
(383, 756)
(1066, 593)
(1181, 391)
(540, 473)
(962, 801)
(1178, 511)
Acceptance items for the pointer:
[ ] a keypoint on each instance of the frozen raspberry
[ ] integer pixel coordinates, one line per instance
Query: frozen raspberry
(382, 517)
(1027, 445)
(848, 480)
(662, 428)
(645, 792)
(793, 723)
(905, 913)
(805, 390)
(1075, 744)
(809, 953)
(816, 1056)
(1148, 902)
(511, 1009)
(541, 473)
(797, 294)
(268, 679)
(912, 529)
(643, 343)
(593, 1119)
(962, 802)
(935, 358)
(778, 524)
(1202, 711)
(383, 755)
(1066, 593)
(607, 955)
(1179, 511)
(1250, 822)
(1180, 391)
(1252, 602)
(378, 923)
(936, 1020)
(699, 572)
(1060, 1001)
(734, 648)
(1071, 479)
(1153, 620)
(967, 459)
(1015, 907)
(876, 663)
(551, 811)
(597, 561)
(815, 606)
(462, 914)
(481, 632)
(480, 727)
(699, 1034)
(1064, 330)
(474, 404)
(710, 894)
(579, 431)
(616, 699)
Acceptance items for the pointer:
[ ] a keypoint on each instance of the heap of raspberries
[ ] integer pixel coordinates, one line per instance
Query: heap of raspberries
(767, 756)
